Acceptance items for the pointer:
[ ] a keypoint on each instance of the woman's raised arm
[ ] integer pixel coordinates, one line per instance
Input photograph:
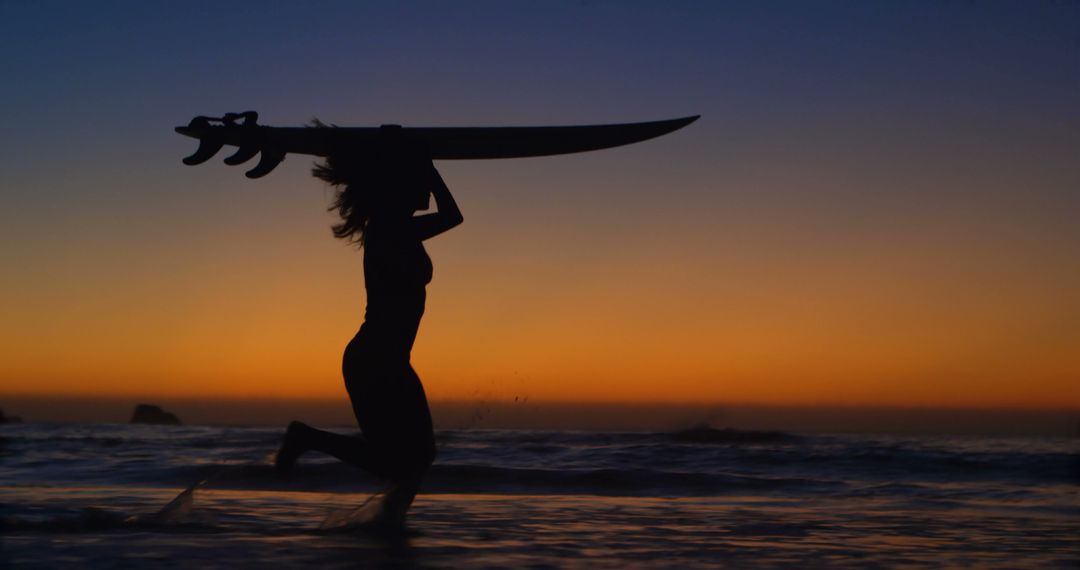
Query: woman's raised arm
(448, 216)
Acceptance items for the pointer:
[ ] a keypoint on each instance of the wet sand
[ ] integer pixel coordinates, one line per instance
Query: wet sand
(85, 527)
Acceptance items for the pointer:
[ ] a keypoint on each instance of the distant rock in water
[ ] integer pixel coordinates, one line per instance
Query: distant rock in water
(702, 433)
(9, 419)
(147, 414)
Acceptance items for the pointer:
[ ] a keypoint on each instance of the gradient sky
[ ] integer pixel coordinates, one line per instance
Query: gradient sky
(879, 205)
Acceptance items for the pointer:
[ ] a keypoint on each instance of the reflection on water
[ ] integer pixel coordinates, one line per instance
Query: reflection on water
(241, 529)
(92, 496)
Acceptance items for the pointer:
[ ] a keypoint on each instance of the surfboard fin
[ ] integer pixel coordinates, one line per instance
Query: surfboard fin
(208, 147)
(268, 161)
(243, 155)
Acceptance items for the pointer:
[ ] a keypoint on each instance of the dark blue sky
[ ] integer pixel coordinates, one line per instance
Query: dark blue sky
(770, 77)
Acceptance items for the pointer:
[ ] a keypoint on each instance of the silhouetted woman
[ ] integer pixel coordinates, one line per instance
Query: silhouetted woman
(377, 198)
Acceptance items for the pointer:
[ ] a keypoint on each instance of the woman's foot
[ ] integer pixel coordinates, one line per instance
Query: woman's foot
(291, 447)
(398, 497)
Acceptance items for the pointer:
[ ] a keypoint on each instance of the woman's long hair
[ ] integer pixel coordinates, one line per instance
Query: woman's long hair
(352, 198)
(369, 180)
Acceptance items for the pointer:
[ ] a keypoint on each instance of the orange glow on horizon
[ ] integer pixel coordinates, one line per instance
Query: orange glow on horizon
(843, 335)
(690, 306)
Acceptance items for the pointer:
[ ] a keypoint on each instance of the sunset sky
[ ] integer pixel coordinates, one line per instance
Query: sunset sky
(879, 205)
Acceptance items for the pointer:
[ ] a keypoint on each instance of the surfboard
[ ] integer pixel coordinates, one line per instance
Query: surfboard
(440, 143)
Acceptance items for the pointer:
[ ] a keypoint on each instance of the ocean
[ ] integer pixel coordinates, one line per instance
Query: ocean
(95, 496)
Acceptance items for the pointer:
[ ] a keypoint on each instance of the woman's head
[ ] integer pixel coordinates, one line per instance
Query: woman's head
(385, 182)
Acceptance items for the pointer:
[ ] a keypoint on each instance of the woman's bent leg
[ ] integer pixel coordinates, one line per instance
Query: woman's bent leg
(392, 410)
(393, 414)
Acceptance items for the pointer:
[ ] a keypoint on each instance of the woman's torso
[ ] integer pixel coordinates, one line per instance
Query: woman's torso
(396, 272)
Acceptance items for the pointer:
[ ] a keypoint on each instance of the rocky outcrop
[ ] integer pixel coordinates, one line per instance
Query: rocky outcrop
(9, 419)
(150, 414)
